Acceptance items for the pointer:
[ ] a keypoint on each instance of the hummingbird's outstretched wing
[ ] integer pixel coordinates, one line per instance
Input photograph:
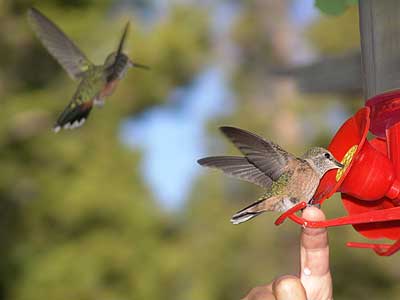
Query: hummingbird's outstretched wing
(238, 167)
(120, 59)
(74, 115)
(58, 44)
(271, 159)
(121, 44)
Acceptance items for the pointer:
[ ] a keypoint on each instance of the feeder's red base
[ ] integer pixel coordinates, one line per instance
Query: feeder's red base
(378, 218)
(380, 249)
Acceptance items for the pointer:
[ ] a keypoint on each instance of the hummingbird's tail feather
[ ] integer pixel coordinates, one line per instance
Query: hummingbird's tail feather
(73, 116)
(243, 217)
(251, 211)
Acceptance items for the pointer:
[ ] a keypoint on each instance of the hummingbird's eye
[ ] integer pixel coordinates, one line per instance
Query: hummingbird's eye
(327, 155)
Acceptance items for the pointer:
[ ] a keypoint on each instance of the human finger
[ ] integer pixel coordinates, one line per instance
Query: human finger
(314, 258)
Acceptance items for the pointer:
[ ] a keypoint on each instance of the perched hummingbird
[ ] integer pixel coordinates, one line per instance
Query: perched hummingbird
(96, 81)
(288, 179)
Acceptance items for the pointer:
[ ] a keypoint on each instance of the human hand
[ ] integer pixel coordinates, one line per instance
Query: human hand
(314, 281)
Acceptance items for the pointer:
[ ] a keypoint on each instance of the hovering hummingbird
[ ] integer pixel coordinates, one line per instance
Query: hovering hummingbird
(96, 81)
(288, 179)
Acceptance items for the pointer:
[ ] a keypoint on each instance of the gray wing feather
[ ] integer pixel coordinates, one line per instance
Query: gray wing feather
(113, 70)
(58, 44)
(271, 159)
(237, 167)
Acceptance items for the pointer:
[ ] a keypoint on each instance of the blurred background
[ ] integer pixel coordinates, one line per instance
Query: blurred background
(119, 209)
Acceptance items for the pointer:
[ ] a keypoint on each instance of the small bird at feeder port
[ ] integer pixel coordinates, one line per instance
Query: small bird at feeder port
(287, 179)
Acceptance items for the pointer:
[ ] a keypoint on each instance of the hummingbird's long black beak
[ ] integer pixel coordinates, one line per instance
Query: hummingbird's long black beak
(136, 65)
(340, 165)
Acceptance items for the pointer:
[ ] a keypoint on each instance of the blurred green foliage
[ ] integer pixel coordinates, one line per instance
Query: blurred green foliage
(334, 7)
(336, 35)
(77, 220)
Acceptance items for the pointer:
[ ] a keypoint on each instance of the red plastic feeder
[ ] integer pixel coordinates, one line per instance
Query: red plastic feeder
(368, 183)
